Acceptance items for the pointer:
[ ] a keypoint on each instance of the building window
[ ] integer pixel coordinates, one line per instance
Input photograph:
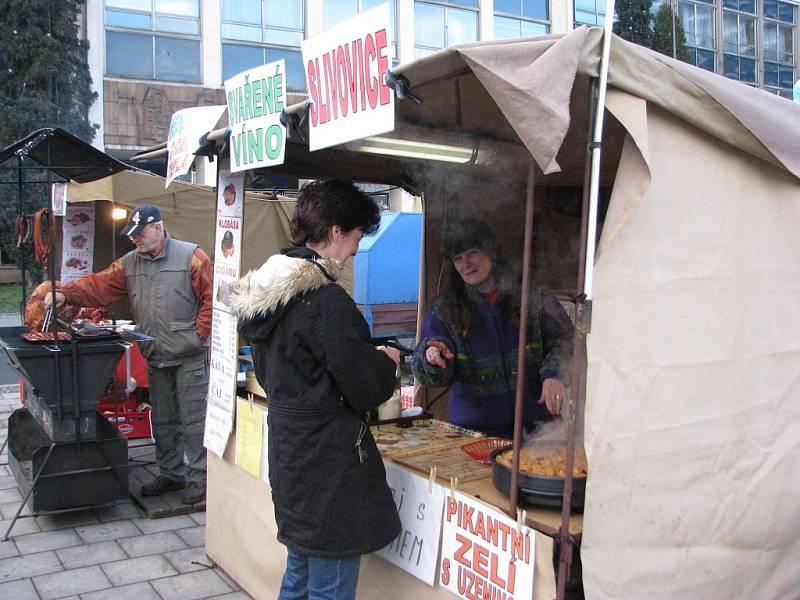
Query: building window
(698, 23)
(778, 47)
(153, 39)
(256, 33)
(337, 11)
(738, 67)
(590, 12)
(778, 42)
(738, 33)
(444, 23)
(779, 11)
(521, 18)
(702, 58)
(748, 6)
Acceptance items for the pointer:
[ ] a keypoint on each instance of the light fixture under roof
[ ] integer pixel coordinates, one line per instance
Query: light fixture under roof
(387, 146)
(421, 143)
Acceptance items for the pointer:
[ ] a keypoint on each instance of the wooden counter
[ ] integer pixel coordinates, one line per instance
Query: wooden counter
(241, 538)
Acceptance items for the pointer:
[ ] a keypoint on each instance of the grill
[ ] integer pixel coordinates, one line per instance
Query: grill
(61, 452)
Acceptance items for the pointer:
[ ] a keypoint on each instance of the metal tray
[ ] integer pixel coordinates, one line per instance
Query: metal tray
(31, 337)
(85, 331)
(537, 490)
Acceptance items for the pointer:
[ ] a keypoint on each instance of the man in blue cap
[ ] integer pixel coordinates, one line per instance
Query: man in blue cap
(168, 285)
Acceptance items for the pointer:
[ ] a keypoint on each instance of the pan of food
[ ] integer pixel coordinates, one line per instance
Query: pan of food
(541, 474)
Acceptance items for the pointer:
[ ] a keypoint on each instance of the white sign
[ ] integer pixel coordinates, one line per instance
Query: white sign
(484, 554)
(419, 505)
(77, 253)
(219, 424)
(221, 395)
(228, 242)
(59, 194)
(256, 99)
(185, 130)
(345, 68)
(224, 361)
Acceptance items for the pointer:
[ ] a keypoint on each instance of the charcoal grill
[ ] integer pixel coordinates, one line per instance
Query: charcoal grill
(61, 452)
(63, 381)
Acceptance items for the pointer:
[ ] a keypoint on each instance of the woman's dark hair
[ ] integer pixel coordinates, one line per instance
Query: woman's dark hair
(328, 202)
(467, 235)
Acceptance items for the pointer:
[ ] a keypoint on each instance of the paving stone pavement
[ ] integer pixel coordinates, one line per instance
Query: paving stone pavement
(108, 553)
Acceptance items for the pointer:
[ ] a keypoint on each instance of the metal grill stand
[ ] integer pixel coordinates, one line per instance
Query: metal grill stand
(63, 454)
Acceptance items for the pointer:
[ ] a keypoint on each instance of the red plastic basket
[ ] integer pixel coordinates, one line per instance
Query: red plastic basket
(481, 449)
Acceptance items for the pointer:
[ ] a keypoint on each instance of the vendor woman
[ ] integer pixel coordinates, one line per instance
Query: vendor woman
(470, 337)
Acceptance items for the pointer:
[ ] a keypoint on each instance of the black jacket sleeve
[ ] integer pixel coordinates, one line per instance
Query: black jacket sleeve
(365, 376)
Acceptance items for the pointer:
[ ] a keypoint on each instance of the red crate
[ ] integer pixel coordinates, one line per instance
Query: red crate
(125, 416)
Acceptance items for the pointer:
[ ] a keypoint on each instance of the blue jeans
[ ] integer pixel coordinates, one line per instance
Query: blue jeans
(316, 578)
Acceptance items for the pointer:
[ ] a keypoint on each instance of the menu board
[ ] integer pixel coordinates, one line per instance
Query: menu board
(77, 256)
(224, 363)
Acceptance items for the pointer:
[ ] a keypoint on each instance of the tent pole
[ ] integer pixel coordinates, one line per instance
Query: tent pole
(583, 303)
(591, 240)
(578, 372)
(21, 250)
(523, 336)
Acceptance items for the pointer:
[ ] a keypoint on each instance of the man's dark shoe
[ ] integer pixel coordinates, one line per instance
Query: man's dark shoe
(195, 492)
(162, 485)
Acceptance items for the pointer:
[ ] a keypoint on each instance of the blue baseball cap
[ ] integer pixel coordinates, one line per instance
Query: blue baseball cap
(142, 216)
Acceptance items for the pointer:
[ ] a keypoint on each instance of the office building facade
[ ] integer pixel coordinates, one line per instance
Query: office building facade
(149, 58)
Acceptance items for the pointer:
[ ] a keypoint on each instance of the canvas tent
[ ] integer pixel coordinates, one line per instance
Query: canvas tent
(692, 425)
(188, 210)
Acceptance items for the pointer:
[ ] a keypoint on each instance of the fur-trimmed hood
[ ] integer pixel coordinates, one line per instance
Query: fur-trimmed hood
(263, 294)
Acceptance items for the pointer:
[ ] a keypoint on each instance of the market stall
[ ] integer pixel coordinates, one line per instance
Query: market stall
(690, 353)
(61, 452)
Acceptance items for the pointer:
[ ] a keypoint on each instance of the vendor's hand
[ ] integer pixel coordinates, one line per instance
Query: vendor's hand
(437, 353)
(392, 353)
(60, 299)
(554, 394)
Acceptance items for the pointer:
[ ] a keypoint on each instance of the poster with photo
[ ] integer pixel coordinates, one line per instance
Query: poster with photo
(227, 258)
(231, 186)
(77, 227)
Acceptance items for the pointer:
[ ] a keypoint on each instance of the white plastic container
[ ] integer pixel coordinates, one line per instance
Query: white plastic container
(391, 408)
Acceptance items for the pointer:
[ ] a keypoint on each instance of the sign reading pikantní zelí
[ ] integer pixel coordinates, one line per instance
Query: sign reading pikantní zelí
(255, 100)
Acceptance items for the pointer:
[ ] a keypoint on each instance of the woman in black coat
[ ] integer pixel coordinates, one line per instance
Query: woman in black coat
(313, 354)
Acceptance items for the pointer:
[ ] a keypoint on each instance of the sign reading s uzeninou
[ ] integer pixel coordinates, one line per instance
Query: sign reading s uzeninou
(255, 100)
(345, 68)
(484, 553)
